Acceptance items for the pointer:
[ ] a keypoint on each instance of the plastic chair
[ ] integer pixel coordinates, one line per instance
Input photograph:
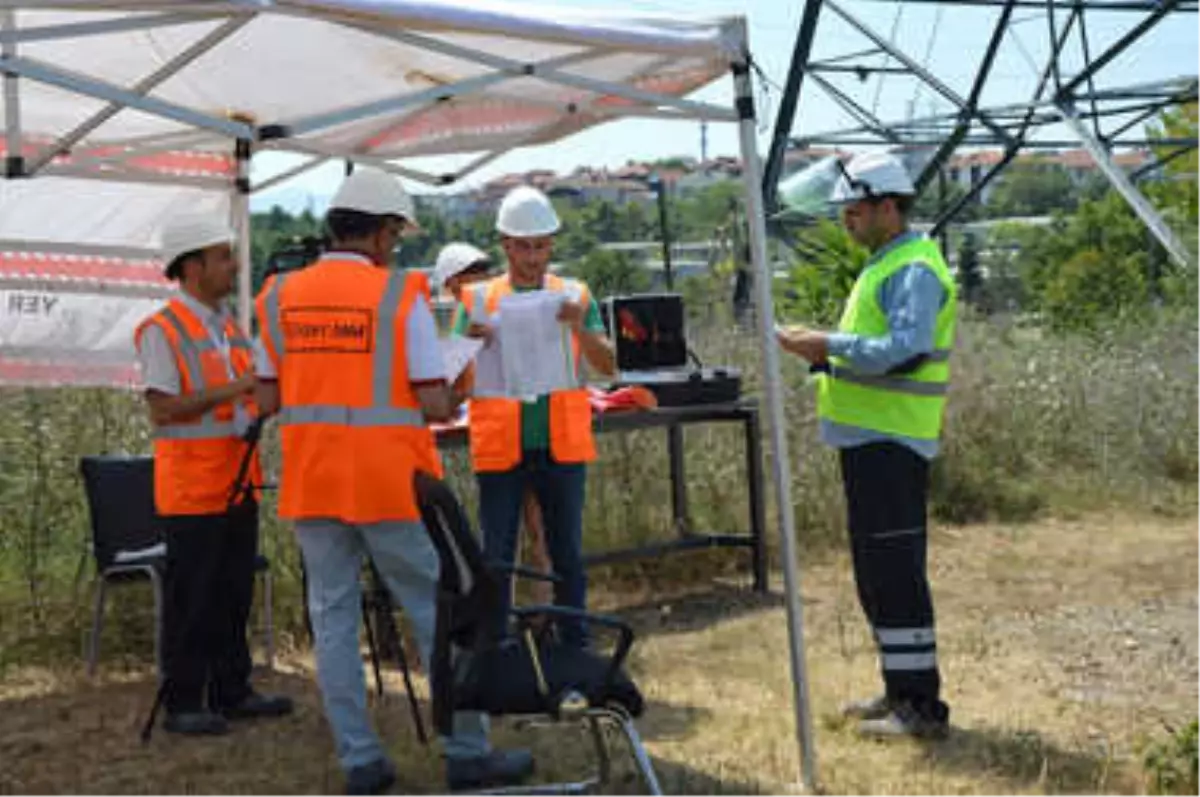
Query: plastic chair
(128, 545)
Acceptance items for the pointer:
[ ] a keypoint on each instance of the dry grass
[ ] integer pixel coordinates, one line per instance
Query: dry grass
(1065, 646)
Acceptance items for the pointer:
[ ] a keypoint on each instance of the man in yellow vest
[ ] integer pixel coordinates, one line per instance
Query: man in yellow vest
(545, 442)
(880, 401)
(348, 356)
(197, 371)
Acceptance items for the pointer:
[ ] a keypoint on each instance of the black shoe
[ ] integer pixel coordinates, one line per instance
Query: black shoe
(876, 708)
(196, 723)
(497, 768)
(255, 705)
(373, 778)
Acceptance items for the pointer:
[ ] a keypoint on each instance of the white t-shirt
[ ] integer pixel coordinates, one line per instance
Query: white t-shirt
(156, 360)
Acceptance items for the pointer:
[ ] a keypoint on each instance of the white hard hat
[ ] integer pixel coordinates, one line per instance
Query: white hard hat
(376, 192)
(872, 174)
(526, 213)
(192, 232)
(456, 258)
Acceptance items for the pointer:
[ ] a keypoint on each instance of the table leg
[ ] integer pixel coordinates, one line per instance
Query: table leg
(754, 475)
(679, 501)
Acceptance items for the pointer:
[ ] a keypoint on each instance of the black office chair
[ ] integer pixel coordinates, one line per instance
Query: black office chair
(528, 673)
(128, 545)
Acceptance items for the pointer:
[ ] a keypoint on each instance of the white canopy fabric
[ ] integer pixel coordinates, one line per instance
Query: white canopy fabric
(117, 114)
(133, 109)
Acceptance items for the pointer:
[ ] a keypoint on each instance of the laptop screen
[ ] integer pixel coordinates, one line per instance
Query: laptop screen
(647, 330)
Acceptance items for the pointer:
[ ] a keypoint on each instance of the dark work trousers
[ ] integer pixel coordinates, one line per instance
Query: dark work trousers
(209, 589)
(560, 490)
(887, 485)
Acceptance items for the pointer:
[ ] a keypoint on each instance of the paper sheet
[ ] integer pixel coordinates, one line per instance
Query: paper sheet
(538, 346)
(457, 353)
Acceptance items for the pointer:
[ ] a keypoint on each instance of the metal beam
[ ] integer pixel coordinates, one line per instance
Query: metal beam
(310, 148)
(284, 176)
(913, 66)
(1092, 5)
(697, 110)
(856, 110)
(1161, 9)
(964, 122)
(1158, 163)
(861, 71)
(75, 30)
(143, 87)
(1145, 211)
(101, 90)
(310, 124)
(787, 104)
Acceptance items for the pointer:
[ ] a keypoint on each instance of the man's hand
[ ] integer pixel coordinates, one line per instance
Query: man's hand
(572, 314)
(245, 384)
(481, 331)
(803, 342)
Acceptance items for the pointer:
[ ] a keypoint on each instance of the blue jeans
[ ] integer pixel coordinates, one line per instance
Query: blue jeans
(560, 492)
(408, 562)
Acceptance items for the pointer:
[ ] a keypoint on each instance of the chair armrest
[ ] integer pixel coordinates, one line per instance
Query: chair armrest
(624, 631)
(523, 572)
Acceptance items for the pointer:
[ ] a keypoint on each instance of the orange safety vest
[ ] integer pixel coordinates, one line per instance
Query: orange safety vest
(352, 431)
(495, 427)
(196, 462)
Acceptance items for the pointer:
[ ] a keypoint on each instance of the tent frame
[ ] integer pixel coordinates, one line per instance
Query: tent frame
(247, 136)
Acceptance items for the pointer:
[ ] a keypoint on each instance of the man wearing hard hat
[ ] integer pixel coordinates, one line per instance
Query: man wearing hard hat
(543, 444)
(349, 359)
(458, 265)
(880, 400)
(198, 375)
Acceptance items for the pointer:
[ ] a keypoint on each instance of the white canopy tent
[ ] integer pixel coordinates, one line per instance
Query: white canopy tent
(118, 114)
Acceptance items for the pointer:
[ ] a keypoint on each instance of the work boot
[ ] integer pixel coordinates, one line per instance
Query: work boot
(904, 721)
(255, 705)
(195, 723)
(373, 778)
(497, 768)
(874, 708)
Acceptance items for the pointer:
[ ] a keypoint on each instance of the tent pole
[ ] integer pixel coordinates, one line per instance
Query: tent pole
(756, 221)
(14, 161)
(240, 211)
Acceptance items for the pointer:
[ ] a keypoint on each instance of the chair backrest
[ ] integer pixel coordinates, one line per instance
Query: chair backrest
(120, 494)
(467, 589)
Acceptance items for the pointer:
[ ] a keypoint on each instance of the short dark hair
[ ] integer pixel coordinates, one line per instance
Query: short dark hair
(175, 267)
(346, 224)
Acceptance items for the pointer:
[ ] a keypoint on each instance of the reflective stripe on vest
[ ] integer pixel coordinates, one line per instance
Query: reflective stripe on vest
(381, 412)
(910, 401)
(189, 350)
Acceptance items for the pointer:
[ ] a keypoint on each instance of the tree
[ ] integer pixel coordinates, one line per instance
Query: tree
(609, 273)
(1093, 289)
(825, 263)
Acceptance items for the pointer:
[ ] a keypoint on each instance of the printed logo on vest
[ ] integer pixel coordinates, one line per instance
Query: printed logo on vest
(328, 330)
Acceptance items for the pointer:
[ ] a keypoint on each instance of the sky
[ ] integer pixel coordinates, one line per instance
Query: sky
(949, 40)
